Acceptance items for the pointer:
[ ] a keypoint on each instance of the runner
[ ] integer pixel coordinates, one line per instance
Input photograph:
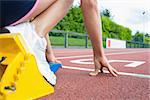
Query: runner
(35, 18)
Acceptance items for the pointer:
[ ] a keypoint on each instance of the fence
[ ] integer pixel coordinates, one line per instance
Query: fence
(66, 35)
(129, 44)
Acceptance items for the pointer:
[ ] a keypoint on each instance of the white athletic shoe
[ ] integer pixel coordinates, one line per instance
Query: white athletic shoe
(37, 46)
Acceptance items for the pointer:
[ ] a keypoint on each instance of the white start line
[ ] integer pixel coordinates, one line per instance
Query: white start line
(89, 61)
(132, 64)
(120, 73)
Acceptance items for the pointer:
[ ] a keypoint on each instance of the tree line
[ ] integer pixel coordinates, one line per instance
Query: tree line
(73, 22)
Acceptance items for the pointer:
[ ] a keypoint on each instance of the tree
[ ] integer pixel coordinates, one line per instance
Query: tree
(138, 37)
(147, 38)
(106, 13)
(73, 21)
(147, 35)
(113, 30)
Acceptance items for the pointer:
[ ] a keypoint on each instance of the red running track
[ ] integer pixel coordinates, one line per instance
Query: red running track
(74, 83)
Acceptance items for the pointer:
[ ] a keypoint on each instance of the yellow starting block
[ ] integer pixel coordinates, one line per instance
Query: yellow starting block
(20, 78)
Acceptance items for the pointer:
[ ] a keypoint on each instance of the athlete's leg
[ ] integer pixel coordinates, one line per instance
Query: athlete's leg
(50, 17)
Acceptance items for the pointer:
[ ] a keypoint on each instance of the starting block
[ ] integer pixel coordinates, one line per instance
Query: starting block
(20, 78)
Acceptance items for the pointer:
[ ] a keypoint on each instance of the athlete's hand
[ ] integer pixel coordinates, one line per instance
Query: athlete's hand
(100, 63)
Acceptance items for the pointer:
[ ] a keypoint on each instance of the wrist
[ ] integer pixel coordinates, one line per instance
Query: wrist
(99, 53)
(97, 56)
(47, 51)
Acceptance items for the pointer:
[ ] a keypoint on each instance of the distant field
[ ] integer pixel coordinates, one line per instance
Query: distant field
(59, 41)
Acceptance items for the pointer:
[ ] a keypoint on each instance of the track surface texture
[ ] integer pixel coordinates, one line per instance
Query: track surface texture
(74, 83)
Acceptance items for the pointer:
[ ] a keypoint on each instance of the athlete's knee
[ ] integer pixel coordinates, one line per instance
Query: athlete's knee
(89, 3)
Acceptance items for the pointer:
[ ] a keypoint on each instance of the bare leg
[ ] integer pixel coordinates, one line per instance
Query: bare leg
(49, 52)
(50, 17)
(93, 26)
(43, 23)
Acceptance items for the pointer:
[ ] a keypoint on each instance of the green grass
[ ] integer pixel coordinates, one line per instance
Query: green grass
(59, 41)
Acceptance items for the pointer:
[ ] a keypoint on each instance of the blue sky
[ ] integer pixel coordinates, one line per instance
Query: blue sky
(128, 13)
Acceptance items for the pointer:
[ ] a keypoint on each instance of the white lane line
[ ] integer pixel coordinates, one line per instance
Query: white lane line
(106, 54)
(131, 63)
(78, 51)
(120, 73)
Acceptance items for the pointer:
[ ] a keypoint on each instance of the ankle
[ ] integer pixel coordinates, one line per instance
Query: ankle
(38, 29)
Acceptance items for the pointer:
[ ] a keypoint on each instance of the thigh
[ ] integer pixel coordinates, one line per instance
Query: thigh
(40, 7)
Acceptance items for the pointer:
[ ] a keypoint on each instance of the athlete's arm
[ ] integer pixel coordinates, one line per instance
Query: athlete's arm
(93, 26)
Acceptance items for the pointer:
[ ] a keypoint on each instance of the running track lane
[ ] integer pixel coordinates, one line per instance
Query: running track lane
(74, 83)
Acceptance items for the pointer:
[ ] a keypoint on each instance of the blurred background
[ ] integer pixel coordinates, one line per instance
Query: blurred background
(126, 20)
